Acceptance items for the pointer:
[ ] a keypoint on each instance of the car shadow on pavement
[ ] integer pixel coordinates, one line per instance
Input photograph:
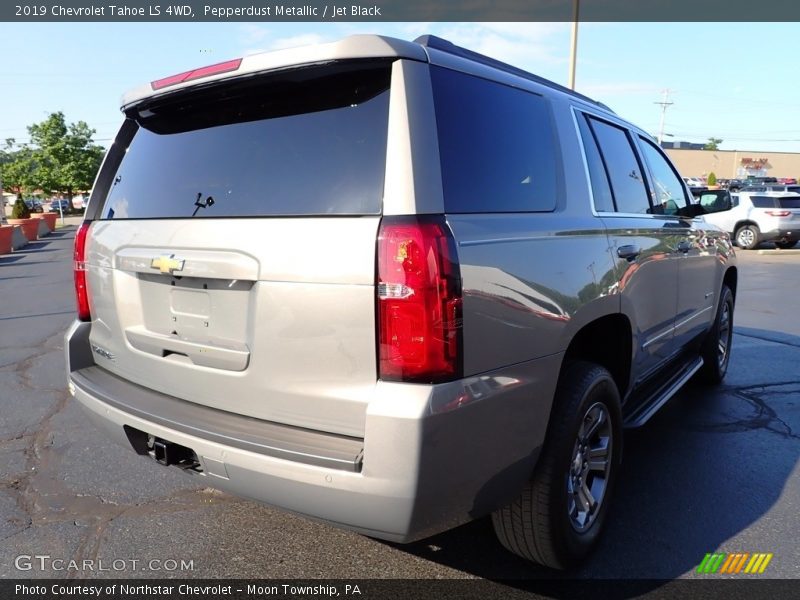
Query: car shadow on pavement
(707, 467)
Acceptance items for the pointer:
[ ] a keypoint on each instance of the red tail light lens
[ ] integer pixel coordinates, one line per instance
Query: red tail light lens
(779, 213)
(79, 267)
(419, 301)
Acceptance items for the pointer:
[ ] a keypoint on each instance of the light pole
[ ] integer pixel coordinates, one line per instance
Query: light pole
(574, 43)
(2, 204)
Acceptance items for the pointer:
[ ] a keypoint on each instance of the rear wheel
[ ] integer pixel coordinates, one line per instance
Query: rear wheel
(558, 517)
(747, 237)
(786, 245)
(716, 351)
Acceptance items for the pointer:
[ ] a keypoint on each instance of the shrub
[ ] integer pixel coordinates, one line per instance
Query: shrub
(712, 179)
(20, 210)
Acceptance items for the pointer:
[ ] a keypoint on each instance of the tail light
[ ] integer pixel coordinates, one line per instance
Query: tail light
(223, 67)
(779, 213)
(419, 301)
(79, 268)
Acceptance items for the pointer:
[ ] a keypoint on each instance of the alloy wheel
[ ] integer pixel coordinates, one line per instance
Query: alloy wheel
(724, 336)
(746, 238)
(589, 469)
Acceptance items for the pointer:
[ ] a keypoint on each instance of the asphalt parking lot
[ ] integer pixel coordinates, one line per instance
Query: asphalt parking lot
(717, 470)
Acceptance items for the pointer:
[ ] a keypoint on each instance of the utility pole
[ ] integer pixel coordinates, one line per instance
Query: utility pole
(2, 204)
(664, 104)
(574, 43)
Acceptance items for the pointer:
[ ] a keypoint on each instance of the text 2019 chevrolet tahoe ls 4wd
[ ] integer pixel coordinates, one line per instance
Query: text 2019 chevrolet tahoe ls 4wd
(394, 286)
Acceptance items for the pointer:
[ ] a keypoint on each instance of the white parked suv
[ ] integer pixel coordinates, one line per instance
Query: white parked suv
(694, 182)
(756, 217)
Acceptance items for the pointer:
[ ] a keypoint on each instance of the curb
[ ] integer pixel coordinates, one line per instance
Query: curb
(777, 251)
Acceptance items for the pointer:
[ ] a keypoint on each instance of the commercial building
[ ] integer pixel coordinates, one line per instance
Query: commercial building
(738, 164)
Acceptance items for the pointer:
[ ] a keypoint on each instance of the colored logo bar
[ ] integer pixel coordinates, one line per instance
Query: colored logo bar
(737, 562)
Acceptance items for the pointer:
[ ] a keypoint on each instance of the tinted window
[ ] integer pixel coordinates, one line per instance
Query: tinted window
(496, 146)
(763, 201)
(601, 190)
(624, 172)
(667, 192)
(713, 201)
(789, 202)
(308, 142)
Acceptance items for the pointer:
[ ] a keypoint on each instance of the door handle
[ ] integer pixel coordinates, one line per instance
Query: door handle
(684, 246)
(629, 252)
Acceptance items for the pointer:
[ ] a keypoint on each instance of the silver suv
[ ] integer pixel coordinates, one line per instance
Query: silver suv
(755, 217)
(394, 286)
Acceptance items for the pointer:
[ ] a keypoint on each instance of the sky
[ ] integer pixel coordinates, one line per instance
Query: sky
(734, 81)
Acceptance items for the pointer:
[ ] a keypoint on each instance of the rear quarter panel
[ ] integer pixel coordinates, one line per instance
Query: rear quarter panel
(531, 281)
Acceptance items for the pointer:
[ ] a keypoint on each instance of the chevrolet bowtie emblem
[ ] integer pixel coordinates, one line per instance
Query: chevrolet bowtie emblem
(167, 264)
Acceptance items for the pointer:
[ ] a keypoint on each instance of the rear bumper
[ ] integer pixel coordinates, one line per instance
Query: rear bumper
(780, 234)
(432, 456)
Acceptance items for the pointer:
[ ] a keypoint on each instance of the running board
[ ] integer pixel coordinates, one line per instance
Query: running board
(643, 413)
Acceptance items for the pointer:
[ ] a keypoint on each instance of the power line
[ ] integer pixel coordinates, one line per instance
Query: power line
(733, 100)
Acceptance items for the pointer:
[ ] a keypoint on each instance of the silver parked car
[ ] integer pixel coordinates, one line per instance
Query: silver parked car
(395, 286)
(755, 217)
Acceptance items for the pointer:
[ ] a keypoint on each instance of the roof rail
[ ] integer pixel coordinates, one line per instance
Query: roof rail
(437, 43)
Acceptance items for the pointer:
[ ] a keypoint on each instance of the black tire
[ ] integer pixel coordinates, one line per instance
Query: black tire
(543, 523)
(716, 350)
(747, 237)
(786, 245)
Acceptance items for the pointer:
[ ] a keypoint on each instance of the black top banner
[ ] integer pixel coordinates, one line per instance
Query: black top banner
(401, 10)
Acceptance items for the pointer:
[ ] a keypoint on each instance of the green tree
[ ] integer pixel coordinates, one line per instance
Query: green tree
(20, 210)
(60, 158)
(712, 144)
(16, 168)
(711, 179)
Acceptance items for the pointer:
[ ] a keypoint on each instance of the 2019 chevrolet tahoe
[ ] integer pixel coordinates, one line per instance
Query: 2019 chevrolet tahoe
(394, 286)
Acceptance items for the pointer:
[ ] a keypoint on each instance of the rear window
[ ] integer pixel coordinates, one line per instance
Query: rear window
(305, 142)
(789, 202)
(496, 145)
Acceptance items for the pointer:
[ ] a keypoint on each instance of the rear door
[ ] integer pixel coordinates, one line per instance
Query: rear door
(696, 253)
(726, 219)
(231, 261)
(643, 243)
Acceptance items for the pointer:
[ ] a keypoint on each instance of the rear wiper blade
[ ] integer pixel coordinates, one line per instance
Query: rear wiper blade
(202, 203)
